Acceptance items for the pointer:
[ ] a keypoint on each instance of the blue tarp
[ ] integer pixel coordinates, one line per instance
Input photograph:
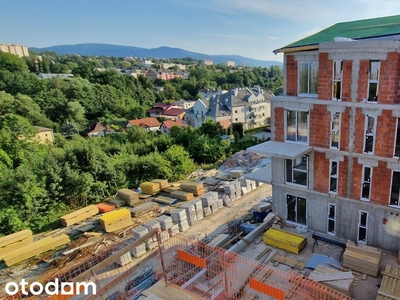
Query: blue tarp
(320, 259)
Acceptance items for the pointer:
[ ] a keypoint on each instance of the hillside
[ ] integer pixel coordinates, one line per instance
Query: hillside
(161, 52)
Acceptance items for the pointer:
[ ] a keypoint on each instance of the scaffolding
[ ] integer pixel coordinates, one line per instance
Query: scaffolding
(194, 268)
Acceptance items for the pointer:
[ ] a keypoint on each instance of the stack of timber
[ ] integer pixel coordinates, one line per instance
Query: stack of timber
(116, 220)
(193, 187)
(35, 248)
(79, 215)
(144, 209)
(130, 197)
(15, 241)
(162, 182)
(105, 207)
(165, 200)
(390, 284)
(288, 241)
(362, 258)
(150, 188)
(340, 281)
(183, 196)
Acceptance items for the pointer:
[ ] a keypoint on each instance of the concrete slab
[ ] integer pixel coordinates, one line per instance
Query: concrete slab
(280, 149)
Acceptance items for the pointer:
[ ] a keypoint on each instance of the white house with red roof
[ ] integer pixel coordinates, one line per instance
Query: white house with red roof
(167, 125)
(150, 124)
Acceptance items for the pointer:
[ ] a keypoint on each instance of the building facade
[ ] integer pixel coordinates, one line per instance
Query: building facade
(335, 146)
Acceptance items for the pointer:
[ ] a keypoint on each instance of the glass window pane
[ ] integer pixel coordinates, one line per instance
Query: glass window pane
(291, 208)
(337, 87)
(331, 211)
(302, 127)
(314, 78)
(300, 163)
(363, 219)
(373, 91)
(334, 168)
(374, 70)
(333, 185)
(303, 78)
(397, 148)
(362, 234)
(301, 210)
(394, 196)
(289, 169)
(291, 125)
(337, 70)
(367, 174)
(335, 140)
(300, 177)
(365, 190)
(331, 226)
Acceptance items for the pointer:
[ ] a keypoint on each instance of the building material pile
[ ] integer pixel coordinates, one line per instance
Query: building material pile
(165, 222)
(199, 208)
(246, 185)
(144, 209)
(116, 220)
(165, 200)
(208, 200)
(236, 173)
(191, 215)
(118, 202)
(193, 187)
(139, 231)
(130, 197)
(15, 241)
(179, 218)
(285, 240)
(79, 215)
(232, 189)
(105, 207)
(362, 258)
(150, 188)
(181, 195)
(139, 250)
(35, 248)
(152, 225)
(340, 281)
(162, 182)
(390, 284)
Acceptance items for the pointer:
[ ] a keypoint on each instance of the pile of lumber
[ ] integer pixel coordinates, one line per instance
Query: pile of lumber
(181, 195)
(150, 188)
(144, 209)
(171, 188)
(105, 207)
(193, 187)
(337, 280)
(285, 240)
(116, 220)
(35, 248)
(362, 258)
(130, 197)
(79, 215)
(15, 241)
(390, 284)
(162, 182)
(165, 200)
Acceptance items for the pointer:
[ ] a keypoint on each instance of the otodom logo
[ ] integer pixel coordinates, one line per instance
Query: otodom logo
(51, 288)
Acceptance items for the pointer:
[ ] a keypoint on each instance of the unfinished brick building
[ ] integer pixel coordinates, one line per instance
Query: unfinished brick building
(335, 143)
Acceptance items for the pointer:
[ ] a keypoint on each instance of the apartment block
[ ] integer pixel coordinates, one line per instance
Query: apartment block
(335, 145)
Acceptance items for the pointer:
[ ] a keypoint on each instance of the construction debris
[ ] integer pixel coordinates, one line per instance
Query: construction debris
(340, 281)
(389, 288)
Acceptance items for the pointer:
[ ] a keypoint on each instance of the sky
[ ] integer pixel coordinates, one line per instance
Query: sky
(250, 28)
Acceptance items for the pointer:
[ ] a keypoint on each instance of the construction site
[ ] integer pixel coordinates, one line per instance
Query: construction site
(214, 235)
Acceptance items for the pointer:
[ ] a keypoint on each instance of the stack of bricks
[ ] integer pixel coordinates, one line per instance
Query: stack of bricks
(246, 185)
(173, 230)
(191, 215)
(139, 231)
(165, 222)
(226, 200)
(220, 203)
(199, 208)
(151, 243)
(152, 224)
(124, 259)
(164, 236)
(179, 217)
(139, 250)
(207, 201)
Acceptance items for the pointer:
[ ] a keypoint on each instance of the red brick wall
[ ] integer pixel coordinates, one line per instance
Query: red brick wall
(291, 76)
(359, 134)
(346, 80)
(356, 181)
(279, 124)
(325, 74)
(342, 177)
(388, 92)
(381, 184)
(320, 127)
(362, 92)
(321, 172)
(385, 136)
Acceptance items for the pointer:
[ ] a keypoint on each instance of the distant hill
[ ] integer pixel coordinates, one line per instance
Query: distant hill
(161, 52)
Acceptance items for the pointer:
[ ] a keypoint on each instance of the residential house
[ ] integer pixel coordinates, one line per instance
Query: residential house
(158, 109)
(52, 75)
(167, 125)
(97, 129)
(174, 113)
(335, 144)
(184, 104)
(166, 74)
(44, 136)
(149, 124)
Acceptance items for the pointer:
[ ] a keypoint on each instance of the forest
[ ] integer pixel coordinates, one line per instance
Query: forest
(41, 182)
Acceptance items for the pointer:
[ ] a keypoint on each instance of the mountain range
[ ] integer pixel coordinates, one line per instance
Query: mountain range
(160, 52)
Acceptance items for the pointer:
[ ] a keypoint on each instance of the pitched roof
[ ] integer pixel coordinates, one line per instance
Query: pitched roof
(171, 123)
(225, 123)
(173, 112)
(361, 29)
(146, 122)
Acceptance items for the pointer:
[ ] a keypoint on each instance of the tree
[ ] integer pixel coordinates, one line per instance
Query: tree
(12, 63)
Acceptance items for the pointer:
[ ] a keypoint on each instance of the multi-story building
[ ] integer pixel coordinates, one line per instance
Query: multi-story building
(335, 145)
(18, 50)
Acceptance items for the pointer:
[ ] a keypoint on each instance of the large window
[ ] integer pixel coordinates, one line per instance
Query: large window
(297, 126)
(369, 134)
(362, 227)
(397, 146)
(366, 183)
(337, 79)
(394, 195)
(297, 170)
(296, 209)
(308, 78)
(373, 80)
(331, 219)
(335, 130)
(333, 177)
